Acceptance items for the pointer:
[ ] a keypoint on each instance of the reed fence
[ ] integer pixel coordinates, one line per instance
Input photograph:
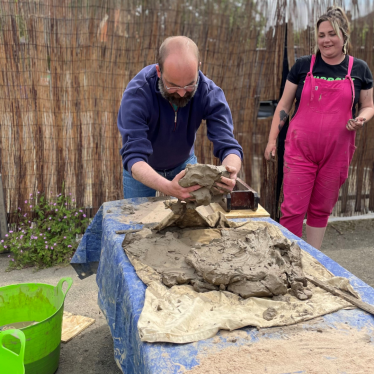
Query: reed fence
(65, 64)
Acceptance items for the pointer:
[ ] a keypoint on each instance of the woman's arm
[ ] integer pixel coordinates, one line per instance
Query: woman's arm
(280, 117)
(365, 111)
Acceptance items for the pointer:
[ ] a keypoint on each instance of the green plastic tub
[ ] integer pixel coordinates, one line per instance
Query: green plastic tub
(42, 305)
(11, 362)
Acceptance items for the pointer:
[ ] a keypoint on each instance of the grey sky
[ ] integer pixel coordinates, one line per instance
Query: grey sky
(303, 12)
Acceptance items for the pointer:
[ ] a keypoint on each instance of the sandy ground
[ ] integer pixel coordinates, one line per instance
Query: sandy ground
(350, 243)
(91, 352)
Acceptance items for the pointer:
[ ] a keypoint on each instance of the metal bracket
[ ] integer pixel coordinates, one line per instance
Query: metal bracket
(244, 197)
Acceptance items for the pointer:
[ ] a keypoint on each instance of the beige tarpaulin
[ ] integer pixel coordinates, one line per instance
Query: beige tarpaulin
(181, 315)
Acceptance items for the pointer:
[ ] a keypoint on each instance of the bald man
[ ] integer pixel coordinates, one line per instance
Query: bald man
(161, 111)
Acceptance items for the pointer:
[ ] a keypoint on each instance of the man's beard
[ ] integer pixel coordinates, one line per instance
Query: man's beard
(174, 97)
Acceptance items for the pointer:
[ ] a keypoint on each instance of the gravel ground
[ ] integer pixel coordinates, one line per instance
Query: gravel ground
(350, 243)
(91, 352)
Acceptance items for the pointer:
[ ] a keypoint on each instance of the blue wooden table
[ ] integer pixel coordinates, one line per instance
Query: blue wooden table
(121, 297)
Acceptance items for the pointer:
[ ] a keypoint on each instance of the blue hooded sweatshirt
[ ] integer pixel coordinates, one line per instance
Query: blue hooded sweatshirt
(153, 132)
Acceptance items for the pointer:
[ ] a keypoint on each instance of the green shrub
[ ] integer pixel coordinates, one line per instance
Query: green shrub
(46, 234)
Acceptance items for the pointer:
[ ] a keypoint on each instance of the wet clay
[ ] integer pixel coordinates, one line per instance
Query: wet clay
(255, 261)
(206, 176)
(251, 263)
(17, 325)
(164, 253)
(183, 216)
(250, 259)
(185, 213)
(129, 209)
(269, 314)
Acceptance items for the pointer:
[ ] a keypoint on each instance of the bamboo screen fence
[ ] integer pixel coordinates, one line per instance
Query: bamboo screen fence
(65, 64)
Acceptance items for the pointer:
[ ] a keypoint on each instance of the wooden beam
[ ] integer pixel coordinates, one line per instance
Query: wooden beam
(325, 286)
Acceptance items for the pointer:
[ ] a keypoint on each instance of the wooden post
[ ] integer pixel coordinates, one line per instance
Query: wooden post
(3, 220)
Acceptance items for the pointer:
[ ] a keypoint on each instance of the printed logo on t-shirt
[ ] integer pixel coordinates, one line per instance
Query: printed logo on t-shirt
(331, 79)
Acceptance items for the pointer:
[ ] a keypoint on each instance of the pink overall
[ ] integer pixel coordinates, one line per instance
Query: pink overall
(318, 151)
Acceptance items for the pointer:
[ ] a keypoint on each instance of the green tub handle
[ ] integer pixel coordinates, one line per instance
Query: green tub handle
(17, 334)
(68, 280)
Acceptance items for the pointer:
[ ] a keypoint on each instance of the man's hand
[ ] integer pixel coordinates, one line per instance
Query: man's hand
(174, 189)
(355, 124)
(227, 184)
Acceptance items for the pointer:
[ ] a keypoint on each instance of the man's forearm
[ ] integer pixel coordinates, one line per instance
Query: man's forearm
(233, 160)
(145, 174)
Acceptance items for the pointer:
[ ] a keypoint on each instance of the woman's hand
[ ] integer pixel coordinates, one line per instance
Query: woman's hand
(270, 151)
(355, 124)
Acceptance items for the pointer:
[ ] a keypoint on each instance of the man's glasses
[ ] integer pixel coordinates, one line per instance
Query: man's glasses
(188, 88)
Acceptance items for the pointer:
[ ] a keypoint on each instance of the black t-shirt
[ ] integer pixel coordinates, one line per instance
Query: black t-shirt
(361, 75)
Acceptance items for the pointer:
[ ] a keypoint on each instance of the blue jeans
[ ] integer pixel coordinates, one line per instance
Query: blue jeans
(133, 188)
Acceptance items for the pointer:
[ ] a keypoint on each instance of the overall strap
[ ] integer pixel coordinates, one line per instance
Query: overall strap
(313, 80)
(348, 76)
(350, 64)
(312, 64)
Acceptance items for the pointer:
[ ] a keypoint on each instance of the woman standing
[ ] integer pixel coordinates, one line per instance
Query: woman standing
(321, 137)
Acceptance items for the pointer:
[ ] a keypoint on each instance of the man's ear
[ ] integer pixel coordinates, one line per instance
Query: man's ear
(158, 71)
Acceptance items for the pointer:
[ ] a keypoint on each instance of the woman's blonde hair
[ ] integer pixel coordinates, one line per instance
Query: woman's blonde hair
(339, 21)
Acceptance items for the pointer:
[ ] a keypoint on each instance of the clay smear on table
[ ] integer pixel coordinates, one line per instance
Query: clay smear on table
(253, 260)
(327, 351)
(248, 259)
